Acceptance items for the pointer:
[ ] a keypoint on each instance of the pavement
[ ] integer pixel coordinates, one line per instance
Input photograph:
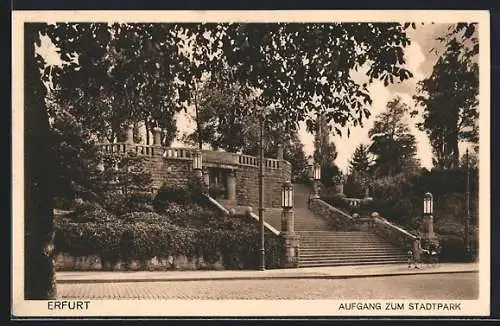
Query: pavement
(336, 272)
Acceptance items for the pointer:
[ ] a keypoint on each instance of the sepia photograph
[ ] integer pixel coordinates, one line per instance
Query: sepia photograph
(243, 163)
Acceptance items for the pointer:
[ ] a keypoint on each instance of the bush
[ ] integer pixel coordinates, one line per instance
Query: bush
(142, 236)
(169, 195)
(140, 202)
(82, 239)
(115, 202)
(90, 212)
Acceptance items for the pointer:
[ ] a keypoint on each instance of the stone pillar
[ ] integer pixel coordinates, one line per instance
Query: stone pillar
(292, 249)
(231, 185)
(130, 134)
(157, 136)
(428, 234)
(279, 155)
(287, 221)
(206, 179)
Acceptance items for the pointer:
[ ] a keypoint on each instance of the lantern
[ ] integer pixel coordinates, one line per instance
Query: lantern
(287, 195)
(428, 203)
(197, 160)
(317, 172)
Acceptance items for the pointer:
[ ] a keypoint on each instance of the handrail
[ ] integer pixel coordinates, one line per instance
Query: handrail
(251, 214)
(399, 229)
(335, 209)
(266, 225)
(217, 205)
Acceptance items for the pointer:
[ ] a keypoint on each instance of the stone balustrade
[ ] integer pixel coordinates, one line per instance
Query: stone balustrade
(337, 219)
(172, 166)
(395, 234)
(353, 202)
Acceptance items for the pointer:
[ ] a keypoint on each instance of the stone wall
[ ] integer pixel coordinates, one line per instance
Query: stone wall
(67, 262)
(247, 184)
(173, 167)
(336, 219)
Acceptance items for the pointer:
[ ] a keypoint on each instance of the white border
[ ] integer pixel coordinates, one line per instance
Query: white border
(21, 307)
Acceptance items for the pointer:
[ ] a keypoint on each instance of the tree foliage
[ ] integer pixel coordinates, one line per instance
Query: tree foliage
(123, 72)
(360, 161)
(449, 98)
(302, 68)
(392, 142)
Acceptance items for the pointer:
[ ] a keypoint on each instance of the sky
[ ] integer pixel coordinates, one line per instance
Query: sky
(419, 60)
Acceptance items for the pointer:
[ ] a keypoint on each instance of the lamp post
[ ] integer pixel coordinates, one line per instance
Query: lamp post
(262, 266)
(316, 179)
(287, 226)
(428, 234)
(467, 208)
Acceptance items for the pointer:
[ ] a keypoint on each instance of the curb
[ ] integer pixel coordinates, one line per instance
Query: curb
(237, 278)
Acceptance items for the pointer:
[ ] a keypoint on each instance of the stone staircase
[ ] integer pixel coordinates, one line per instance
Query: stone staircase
(336, 248)
(320, 246)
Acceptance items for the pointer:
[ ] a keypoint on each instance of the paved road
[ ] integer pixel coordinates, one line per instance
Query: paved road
(437, 286)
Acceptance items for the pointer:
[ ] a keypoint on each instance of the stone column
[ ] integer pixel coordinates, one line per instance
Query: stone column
(157, 136)
(292, 249)
(206, 179)
(130, 134)
(231, 185)
(279, 155)
(428, 234)
(287, 221)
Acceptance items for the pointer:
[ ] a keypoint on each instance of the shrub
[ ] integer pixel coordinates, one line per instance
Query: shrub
(90, 212)
(338, 201)
(142, 236)
(82, 239)
(169, 195)
(115, 202)
(140, 202)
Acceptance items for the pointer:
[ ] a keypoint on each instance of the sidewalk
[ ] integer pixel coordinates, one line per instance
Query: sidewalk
(296, 273)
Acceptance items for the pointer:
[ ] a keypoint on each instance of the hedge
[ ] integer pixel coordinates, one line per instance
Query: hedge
(142, 236)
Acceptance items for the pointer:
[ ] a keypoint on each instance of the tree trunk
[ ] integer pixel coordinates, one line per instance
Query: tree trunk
(146, 125)
(39, 275)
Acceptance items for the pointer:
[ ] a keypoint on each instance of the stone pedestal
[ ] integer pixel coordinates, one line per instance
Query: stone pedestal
(428, 236)
(291, 249)
(157, 136)
(316, 186)
(231, 185)
(130, 134)
(287, 221)
(206, 179)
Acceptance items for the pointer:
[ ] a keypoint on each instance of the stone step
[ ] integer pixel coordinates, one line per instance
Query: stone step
(350, 256)
(338, 242)
(348, 249)
(347, 263)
